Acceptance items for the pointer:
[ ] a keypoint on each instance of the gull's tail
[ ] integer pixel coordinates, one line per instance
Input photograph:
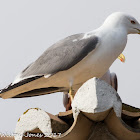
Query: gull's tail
(29, 87)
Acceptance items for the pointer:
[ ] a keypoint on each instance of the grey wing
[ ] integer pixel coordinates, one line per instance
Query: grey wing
(61, 56)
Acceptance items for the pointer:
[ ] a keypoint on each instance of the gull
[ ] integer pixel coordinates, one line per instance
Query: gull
(70, 62)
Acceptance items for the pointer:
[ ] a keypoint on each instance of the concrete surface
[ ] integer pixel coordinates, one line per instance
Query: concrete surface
(98, 115)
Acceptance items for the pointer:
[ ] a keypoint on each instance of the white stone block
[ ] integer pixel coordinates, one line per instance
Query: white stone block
(96, 96)
(32, 119)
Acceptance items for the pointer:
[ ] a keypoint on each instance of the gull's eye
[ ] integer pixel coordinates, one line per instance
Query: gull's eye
(133, 22)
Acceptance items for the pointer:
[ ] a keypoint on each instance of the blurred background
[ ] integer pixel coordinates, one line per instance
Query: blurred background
(28, 28)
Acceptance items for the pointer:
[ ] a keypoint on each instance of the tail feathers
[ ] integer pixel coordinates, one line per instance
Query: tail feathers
(5, 89)
(18, 90)
(12, 86)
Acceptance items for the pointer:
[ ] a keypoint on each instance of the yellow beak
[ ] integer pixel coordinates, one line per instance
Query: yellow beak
(121, 57)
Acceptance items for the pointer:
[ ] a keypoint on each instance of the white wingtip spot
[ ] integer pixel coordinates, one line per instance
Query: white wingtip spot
(17, 79)
(47, 76)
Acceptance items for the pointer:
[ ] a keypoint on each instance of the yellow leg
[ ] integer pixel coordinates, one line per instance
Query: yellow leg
(71, 93)
(121, 57)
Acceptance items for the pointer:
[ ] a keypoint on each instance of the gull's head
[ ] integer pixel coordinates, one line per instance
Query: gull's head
(128, 22)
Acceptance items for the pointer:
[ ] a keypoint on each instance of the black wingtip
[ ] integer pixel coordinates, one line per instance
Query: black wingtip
(25, 81)
(0, 92)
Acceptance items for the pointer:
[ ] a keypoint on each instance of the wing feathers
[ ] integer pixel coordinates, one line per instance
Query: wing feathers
(59, 57)
(62, 55)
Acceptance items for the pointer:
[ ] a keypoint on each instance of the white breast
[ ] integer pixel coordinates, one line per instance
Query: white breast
(98, 62)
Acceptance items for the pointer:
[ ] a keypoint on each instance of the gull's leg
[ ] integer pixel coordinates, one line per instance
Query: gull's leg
(121, 57)
(67, 101)
(71, 93)
(68, 106)
(68, 98)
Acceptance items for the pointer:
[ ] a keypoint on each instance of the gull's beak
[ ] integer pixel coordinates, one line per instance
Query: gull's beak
(138, 28)
(139, 31)
(121, 57)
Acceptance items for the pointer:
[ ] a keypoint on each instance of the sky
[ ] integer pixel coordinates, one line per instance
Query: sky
(29, 27)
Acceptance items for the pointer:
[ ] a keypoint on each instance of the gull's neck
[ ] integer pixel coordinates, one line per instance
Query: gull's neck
(106, 29)
(118, 32)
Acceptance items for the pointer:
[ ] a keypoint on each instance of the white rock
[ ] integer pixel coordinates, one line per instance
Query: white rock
(96, 96)
(32, 119)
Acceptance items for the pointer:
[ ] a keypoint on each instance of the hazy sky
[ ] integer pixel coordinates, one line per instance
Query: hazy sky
(29, 27)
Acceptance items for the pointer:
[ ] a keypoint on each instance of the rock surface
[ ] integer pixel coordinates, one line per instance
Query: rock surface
(98, 115)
